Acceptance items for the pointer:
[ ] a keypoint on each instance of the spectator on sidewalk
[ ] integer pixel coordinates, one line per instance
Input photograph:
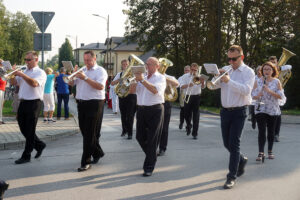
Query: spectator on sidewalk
(114, 99)
(2, 91)
(49, 104)
(62, 94)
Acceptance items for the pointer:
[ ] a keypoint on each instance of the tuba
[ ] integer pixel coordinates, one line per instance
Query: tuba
(285, 75)
(171, 93)
(122, 88)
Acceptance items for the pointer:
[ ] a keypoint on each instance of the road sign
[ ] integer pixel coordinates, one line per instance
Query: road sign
(42, 19)
(38, 40)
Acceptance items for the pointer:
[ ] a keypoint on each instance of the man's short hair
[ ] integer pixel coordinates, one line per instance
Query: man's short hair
(92, 53)
(187, 67)
(194, 65)
(62, 69)
(124, 60)
(272, 58)
(34, 53)
(237, 48)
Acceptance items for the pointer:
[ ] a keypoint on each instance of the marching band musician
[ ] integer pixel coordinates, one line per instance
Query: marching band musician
(268, 90)
(236, 90)
(191, 108)
(90, 95)
(150, 111)
(181, 97)
(127, 105)
(163, 142)
(31, 82)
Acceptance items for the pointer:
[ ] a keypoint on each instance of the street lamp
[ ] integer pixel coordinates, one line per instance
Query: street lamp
(76, 52)
(107, 27)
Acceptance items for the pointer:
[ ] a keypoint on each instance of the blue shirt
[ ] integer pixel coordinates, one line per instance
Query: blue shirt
(49, 84)
(62, 87)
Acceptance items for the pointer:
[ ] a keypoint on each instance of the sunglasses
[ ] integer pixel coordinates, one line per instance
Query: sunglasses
(25, 59)
(233, 59)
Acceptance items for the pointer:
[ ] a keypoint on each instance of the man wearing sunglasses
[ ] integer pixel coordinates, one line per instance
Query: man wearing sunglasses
(236, 87)
(31, 92)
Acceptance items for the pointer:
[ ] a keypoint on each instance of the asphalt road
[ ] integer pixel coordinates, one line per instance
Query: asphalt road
(190, 169)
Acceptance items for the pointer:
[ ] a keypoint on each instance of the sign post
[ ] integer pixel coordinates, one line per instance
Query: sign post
(42, 42)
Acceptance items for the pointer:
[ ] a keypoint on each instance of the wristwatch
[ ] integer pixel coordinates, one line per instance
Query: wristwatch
(85, 78)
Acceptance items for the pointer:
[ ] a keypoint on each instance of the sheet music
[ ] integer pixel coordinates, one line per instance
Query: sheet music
(211, 68)
(138, 69)
(68, 65)
(6, 65)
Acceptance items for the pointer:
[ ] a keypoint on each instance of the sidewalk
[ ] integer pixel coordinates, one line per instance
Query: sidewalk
(11, 137)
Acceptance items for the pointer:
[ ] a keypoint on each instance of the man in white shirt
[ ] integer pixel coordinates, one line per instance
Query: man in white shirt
(181, 97)
(191, 106)
(150, 111)
(236, 89)
(31, 92)
(90, 95)
(127, 105)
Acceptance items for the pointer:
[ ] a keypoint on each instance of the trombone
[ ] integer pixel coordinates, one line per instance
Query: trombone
(212, 85)
(196, 81)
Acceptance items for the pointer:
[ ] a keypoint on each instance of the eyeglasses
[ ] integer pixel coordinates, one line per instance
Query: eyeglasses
(233, 59)
(27, 59)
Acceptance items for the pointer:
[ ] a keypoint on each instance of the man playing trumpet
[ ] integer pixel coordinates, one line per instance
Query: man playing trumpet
(192, 99)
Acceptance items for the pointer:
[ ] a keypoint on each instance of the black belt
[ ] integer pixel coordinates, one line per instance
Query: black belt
(235, 108)
(29, 100)
(153, 106)
(83, 101)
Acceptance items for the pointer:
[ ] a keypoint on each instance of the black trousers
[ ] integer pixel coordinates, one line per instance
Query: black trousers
(127, 107)
(28, 114)
(181, 115)
(90, 114)
(148, 130)
(191, 109)
(277, 125)
(232, 124)
(265, 121)
(165, 130)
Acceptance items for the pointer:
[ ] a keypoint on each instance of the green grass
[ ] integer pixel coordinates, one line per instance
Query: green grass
(7, 110)
(291, 112)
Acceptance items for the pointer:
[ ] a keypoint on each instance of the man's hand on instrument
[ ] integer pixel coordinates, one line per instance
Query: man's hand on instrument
(191, 84)
(139, 76)
(225, 78)
(75, 68)
(80, 75)
(18, 73)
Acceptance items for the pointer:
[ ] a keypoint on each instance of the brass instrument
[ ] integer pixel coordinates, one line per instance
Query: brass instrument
(196, 81)
(212, 85)
(122, 88)
(10, 73)
(171, 93)
(72, 77)
(285, 75)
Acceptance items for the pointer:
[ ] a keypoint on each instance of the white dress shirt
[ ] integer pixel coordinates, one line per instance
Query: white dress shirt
(86, 92)
(118, 76)
(147, 98)
(26, 91)
(237, 92)
(186, 79)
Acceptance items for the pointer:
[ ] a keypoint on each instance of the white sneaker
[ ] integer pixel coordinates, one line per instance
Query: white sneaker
(51, 120)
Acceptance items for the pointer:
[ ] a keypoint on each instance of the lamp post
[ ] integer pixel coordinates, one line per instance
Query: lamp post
(107, 37)
(76, 52)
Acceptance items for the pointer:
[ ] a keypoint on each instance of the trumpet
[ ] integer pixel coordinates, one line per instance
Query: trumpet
(67, 79)
(195, 80)
(212, 85)
(10, 74)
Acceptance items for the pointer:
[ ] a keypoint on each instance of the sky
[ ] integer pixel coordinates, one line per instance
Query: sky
(74, 18)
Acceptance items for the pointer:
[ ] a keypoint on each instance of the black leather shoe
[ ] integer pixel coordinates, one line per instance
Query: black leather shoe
(96, 160)
(188, 131)
(123, 134)
(129, 137)
(3, 188)
(84, 168)
(180, 126)
(276, 138)
(39, 152)
(229, 183)
(161, 153)
(195, 137)
(241, 169)
(147, 174)
(22, 161)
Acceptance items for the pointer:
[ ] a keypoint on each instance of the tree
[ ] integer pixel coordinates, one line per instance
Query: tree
(5, 46)
(65, 53)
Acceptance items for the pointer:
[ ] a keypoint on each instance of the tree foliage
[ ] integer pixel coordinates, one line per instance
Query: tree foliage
(65, 53)
(202, 30)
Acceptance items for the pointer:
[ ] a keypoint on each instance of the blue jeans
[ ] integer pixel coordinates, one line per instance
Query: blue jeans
(64, 97)
(232, 124)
